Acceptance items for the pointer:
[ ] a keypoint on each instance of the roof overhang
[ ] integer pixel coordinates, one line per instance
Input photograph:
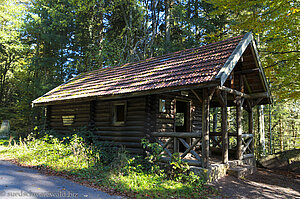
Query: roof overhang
(226, 70)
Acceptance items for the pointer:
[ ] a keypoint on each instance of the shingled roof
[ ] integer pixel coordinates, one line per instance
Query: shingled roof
(187, 67)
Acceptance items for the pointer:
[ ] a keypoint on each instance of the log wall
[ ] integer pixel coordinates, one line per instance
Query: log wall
(142, 118)
(128, 134)
(81, 111)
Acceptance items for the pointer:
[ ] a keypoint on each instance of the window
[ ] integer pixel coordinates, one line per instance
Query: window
(68, 120)
(162, 105)
(119, 113)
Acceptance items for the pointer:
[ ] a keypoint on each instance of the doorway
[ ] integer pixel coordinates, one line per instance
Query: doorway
(182, 120)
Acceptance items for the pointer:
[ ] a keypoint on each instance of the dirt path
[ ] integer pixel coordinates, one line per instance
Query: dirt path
(263, 184)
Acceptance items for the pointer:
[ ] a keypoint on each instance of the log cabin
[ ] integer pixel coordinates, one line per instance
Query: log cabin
(169, 99)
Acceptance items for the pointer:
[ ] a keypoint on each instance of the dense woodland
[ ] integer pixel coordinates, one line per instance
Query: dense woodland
(44, 43)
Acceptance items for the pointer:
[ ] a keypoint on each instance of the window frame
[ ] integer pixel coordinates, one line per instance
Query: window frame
(114, 113)
(160, 100)
(66, 118)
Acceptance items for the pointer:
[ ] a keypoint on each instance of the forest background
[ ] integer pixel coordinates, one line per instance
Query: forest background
(44, 43)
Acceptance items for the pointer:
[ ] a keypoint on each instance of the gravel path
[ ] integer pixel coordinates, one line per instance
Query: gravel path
(262, 184)
(25, 183)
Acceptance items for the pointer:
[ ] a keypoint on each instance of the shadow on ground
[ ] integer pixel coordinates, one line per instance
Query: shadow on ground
(263, 184)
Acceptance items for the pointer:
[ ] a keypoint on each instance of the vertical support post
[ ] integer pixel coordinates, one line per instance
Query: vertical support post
(239, 128)
(175, 140)
(250, 128)
(205, 129)
(224, 130)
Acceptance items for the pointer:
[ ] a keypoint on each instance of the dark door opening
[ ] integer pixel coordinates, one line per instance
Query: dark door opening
(182, 120)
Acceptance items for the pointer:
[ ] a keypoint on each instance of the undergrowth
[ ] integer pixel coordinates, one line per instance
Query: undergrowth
(108, 166)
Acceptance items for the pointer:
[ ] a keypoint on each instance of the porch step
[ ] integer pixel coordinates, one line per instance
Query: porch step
(241, 171)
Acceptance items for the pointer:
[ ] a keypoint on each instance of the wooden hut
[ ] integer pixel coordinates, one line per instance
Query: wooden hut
(169, 99)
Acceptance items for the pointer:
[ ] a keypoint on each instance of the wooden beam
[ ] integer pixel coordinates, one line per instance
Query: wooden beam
(234, 58)
(233, 91)
(197, 96)
(257, 101)
(247, 71)
(129, 95)
(205, 128)
(176, 134)
(220, 98)
(211, 93)
(250, 128)
(239, 128)
(224, 130)
(188, 147)
(247, 84)
(244, 95)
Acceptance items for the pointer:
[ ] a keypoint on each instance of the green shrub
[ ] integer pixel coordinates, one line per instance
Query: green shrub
(107, 165)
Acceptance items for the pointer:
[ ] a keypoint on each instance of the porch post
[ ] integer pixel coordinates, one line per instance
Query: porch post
(205, 128)
(239, 127)
(250, 128)
(224, 130)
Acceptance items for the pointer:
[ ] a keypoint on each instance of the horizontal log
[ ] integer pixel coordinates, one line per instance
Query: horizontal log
(126, 144)
(233, 91)
(120, 139)
(220, 134)
(246, 156)
(190, 162)
(83, 113)
(76, 119)
(75, 124)
(76, 116)
(64, 106)
(136, 113)
(247, 96)
(69, 111)
(136, 108)
(136, 117)
(245, 136)
(101, 115)
(120, 133)
(176, 134)
(121, 128)
(128, 123)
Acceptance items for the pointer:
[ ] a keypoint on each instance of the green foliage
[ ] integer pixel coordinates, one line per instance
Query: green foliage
(176, 169)
(128, 175)
(275, 25)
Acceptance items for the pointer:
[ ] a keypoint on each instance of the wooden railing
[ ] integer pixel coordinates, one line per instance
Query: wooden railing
(247, 143)
(173, 138)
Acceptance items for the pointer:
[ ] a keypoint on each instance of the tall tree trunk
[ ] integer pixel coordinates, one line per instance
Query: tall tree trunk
(281, 134)
(168, 24)
(270, 130)
(261, 126)
(154, 25)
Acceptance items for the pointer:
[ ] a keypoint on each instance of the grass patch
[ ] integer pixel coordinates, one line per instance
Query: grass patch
(108, 168)
(4, 142)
